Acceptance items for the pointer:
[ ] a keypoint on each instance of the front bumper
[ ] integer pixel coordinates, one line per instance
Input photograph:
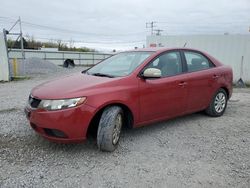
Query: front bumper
(63, 126)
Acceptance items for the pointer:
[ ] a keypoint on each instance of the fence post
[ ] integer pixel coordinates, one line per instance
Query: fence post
(63, 56)
(80, 58)
(15, 67)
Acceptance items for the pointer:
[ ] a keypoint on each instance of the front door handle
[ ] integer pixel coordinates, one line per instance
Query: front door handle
(215, 76)
(182, 84)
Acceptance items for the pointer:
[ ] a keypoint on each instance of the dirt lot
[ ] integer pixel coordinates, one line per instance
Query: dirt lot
(191, 151)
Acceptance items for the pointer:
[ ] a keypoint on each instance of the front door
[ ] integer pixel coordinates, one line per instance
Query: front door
(163, 97)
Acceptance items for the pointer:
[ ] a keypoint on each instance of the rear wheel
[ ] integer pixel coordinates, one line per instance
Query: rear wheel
(218, 105)
(109, 128)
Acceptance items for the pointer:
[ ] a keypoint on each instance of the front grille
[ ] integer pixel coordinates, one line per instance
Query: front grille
(34, 102)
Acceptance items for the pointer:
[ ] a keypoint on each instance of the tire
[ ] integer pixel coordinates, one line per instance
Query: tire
(109, 128)
(218, 104)
(69, 63)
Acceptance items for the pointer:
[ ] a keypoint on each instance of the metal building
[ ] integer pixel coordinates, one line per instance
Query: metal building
(233, 50)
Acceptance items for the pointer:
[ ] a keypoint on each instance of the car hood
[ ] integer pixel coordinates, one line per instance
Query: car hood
(72, 86)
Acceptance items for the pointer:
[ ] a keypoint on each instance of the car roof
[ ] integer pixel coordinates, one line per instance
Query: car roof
(162, 49)
(159, 50)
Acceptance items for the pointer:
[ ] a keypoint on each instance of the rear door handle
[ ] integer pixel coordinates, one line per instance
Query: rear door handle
(182, 84)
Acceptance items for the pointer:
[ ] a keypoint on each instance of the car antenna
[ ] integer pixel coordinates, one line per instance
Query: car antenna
(185, 45)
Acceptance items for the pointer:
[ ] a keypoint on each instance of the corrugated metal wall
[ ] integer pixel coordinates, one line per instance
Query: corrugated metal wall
(4, 66)
(229, 49)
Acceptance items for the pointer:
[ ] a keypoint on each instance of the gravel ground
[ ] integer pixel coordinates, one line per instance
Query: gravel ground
(190, 151)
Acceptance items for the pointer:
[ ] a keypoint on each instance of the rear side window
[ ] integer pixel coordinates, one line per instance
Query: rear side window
(196, 61)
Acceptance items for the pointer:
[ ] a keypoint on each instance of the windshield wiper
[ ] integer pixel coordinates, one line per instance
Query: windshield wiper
(85, 71)
(102, 74)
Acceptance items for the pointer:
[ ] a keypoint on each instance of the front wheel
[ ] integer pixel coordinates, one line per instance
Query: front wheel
(109, 128)
(218, 104)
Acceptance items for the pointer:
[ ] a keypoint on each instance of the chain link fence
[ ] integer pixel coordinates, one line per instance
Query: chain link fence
(36, 61)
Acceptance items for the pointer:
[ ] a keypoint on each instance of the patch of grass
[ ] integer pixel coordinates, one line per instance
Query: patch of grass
(17, 78)
(2, 82)
(79, 65)
(8, 110)
(248, 84)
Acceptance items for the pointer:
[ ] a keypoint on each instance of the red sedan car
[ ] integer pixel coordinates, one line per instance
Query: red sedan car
(130, 89)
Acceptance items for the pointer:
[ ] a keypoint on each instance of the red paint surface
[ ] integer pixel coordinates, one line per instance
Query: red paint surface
(149, 100)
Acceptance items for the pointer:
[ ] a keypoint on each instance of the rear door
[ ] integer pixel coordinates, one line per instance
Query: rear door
(200, 78)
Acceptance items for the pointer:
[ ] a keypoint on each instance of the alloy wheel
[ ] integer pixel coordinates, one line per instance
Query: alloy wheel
(220, 102)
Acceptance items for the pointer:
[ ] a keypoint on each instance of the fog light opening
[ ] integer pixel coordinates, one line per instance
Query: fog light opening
(55, 133)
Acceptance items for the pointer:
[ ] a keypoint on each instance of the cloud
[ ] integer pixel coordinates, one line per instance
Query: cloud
(124, 21)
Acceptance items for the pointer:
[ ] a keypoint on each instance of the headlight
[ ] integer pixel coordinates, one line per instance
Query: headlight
(61, 104)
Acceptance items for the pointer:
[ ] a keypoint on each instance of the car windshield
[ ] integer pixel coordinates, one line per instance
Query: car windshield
(121, 64)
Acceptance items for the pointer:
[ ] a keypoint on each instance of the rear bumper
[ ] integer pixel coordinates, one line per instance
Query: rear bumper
(62, 126)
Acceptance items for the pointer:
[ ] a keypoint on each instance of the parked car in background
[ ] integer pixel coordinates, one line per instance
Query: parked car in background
(132, 89)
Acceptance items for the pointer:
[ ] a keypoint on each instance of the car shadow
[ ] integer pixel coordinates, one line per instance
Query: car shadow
(90, 144)
(165, 124)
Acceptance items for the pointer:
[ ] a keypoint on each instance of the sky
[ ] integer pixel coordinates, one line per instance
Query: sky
(120, 25)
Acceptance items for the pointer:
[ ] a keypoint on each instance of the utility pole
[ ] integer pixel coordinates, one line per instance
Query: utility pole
(158, 31)
(151, 25)
(21, 35)
(6, 45)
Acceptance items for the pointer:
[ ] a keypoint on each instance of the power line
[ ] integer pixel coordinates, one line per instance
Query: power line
(77, 32)
(34, 25)
(8, 18)
(39, 26)
(93, 42)
(148, 25)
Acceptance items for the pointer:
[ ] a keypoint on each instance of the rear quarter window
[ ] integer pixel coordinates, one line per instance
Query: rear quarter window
(196, 61)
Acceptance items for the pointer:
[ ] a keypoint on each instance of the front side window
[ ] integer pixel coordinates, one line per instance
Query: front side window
(121, 64)
(196, 61)
(169, 64)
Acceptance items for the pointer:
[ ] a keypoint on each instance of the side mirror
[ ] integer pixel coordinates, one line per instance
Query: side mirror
(152, 73)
